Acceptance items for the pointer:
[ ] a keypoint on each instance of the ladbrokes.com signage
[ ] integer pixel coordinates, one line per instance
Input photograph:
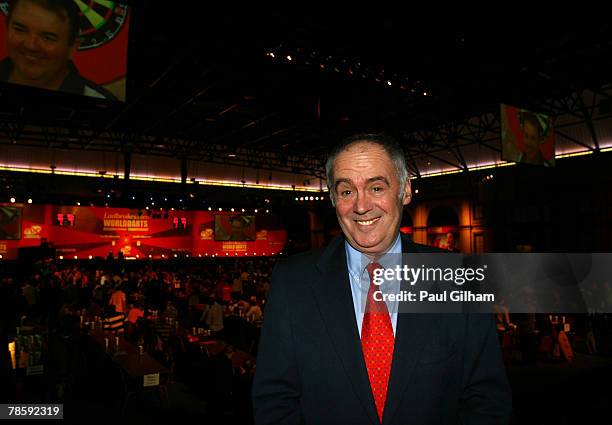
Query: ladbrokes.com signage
(81, 232)
(126, 222)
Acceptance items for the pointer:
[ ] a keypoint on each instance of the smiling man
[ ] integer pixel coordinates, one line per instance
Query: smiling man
(331, 354)
(42, 36)
(369, 190)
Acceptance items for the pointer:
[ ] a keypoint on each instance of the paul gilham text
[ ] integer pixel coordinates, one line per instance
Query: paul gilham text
(455, 296)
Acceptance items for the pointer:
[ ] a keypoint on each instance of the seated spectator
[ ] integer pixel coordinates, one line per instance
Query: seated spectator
(254, 313)
(238, 307)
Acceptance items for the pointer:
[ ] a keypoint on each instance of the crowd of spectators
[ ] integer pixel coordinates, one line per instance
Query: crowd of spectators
(145, 302)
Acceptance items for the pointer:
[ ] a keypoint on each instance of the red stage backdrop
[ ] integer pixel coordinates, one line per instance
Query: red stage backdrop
(98, 231)
(91, 231)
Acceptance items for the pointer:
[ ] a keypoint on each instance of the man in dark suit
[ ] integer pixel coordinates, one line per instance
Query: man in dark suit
(331, 354)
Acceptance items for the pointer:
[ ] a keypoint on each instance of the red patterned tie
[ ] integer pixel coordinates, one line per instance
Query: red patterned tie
(377, 341)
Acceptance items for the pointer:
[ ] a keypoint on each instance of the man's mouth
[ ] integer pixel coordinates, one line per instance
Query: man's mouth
(31, 57)
(367, 222)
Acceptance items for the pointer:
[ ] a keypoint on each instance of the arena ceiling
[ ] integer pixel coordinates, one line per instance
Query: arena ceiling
(274, 91)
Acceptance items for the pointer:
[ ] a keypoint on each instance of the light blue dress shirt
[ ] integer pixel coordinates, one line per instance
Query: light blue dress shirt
(357, 264)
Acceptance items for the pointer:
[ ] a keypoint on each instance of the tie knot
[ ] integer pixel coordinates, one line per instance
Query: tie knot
(371, 267)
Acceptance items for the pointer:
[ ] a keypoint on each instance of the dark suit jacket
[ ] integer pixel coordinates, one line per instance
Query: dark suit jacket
(447, 368)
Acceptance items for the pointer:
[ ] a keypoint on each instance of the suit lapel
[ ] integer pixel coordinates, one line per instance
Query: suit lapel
(410, 335)
(334, 298)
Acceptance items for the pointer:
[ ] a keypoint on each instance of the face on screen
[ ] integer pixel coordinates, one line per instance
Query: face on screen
(39, 45)
(450, 241)
(532, 133)
(238, 230)
(532, 143)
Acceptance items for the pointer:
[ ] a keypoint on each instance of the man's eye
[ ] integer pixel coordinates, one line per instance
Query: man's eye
(377, 189)
(345, 192)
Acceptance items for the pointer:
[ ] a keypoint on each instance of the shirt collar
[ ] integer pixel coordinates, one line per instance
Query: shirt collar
(357, 261)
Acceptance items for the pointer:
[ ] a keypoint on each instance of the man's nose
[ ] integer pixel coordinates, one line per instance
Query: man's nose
(362, 203)
(32, 42)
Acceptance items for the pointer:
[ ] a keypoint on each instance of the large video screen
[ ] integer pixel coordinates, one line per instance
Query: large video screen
(527, 137)
(72, 46)
(10, 223)
(234, 227)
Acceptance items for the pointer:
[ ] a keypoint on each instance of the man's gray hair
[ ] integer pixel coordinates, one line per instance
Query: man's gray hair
(387, 143)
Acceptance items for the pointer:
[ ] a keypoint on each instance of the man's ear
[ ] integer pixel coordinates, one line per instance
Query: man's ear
(407, 195)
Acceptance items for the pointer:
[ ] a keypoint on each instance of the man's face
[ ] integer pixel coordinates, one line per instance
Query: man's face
(237, 228)
(450, 241)
(366, 193)
(38, 43)
(532, 135)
